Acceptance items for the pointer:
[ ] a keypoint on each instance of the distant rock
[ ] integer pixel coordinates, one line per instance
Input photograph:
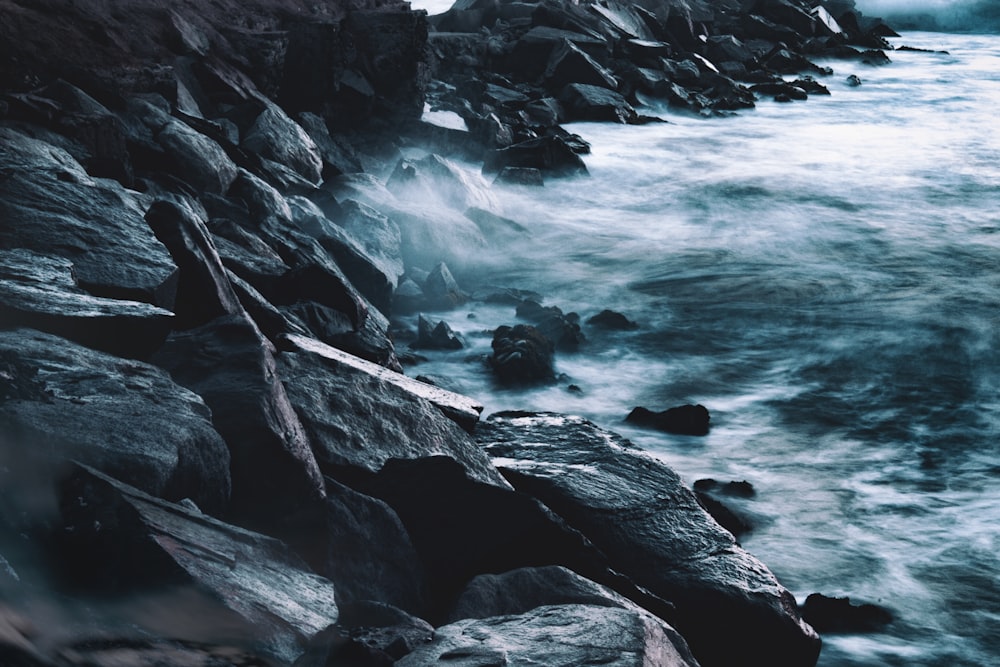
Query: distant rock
(612, 321)
(552, 156)
(682, 420)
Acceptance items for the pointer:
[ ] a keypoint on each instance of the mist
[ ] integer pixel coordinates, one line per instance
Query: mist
(980, 16)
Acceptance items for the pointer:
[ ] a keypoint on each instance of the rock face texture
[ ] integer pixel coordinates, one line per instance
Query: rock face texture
(637, 511)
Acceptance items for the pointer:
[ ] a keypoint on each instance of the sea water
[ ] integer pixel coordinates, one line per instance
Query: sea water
(823, 276)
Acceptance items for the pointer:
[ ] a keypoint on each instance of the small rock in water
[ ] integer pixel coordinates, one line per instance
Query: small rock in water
(829, 614)
(742, 489)
(682, 420)
(609, 319)
(522, 355)
(520, 176)
(854, 80)
(436, 337)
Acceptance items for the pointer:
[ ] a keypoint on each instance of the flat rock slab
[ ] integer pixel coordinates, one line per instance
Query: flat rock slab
(730, 607)
(142, 541)
(61, 401)
(553, 636)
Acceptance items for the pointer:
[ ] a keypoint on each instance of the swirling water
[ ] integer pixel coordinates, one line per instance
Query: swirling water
(824, 276)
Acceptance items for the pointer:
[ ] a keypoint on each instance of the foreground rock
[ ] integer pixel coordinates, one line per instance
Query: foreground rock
(60, 401)
(130, 541)
(555, 636)
(730, 608)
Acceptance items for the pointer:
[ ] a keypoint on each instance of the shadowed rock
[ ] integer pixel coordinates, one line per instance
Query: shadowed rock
(831, 614)
(682, 420)
(522, 355)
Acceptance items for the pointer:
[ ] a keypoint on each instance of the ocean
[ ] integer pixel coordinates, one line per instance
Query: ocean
(824, 277)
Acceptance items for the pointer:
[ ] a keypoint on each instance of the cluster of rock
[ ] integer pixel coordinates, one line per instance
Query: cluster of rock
(208, 451)
(514, 70)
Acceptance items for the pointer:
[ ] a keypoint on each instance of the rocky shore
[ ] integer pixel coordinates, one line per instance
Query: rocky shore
(214, 235)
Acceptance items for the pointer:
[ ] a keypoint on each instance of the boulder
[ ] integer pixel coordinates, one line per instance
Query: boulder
(370, 634)
(520, 176)
(612, 321)
(563, 329)
(681, 420)
(588, 102)
(123, 540)
(833, 614)
(376, 234)
(522, 355)
(441, 288)
(437, 179)
(569, 64)
(650, 526)
(40, 292)
(556, 636)
(780, 89)
(338, 157)
(370, 341)
(436, 337)
(60, 401)
(277, 137)
(550, 155)
(359, 415)
(531, 53)
(200, 161)
(50, 205)
(230, 364)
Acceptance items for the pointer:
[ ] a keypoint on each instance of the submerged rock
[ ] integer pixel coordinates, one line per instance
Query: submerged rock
(682, 420)
(522, 355)
(730, 607)
(831, 614)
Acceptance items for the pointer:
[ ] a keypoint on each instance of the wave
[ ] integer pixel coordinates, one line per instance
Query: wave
(937, 15)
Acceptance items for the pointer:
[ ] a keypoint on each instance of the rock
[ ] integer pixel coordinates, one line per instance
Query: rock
(853, 80)
(682, 420)
(437, 179)
(520, 176)
(200, 161)
(832, 614)
(650, 526)
(122, 539)
(360, 415)
(370, 635)
(436, 337)
(496, 226)
(338, 158)
(40, 292)
(48, 204)
(875, 58)
(559, 635)
(370, 341)
(60, 401)
(587, 102)
(732, 520)
(522, 355)
(277, 137)
(612, 321)
(16, 647)
(441, 288)
(562, 329)
(742, 489)
(115, 652)
(203, 289)
(376, 233)
(568, 64)
(271, 321)
(531, 53)
(780, 89)
(550, 155)
(231, 366)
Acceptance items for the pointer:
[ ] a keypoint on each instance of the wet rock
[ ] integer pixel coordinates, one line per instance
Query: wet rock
(277, 137)
(337, 156)
(106, 652)
(50, 205)
(495, 226)
(434, 178)
(522, 355)
(556, 635)
(551, 155)
(780, 89)
(682, 420)
(271, 321)
(588, 102)
(200, 161)
(650, 526)
(230, 364)
(853, 80)
(742, 489)
(729, 518)
(60, 401)
(531, 53)
(875, 58)
(832, 614)
(612, 321)
(569, 64)
(376, 233)
(436, 337)
(563, 329)
(122, 539)
(40, 292)
(360, 415)
(441, 288)
(520, 176)
(370, 635)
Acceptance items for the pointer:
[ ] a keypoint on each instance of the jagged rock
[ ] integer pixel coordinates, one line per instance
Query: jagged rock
(569, 64)
(611, 320)
(360, 415)
(683, 419)
(277, 137)
(551, 155)
(587, 102)
(522, 355)
(779, 89)
(731, 519)
(532, 51)
(742, 489)
(60, 401)
(370, 341)
(203, 289)
(122, 539)
(50, 205)
(231, 365)
(831, 614)
(338, 158)
(875, 57)
(265, 315)
(370, 635)
(200, 161)
(520, 176)
(650, 526)
(377, 234)
(436, 337)
(556, 636)
(40, 292)
(115, 652)
(441, 288)
(437, 179)
(493, 225)
(563, 329)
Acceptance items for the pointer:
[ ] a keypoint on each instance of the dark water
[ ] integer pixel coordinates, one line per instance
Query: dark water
(825, 278)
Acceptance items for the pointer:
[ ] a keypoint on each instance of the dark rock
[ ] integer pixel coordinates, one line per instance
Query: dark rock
(360, 415)
(338, 158)
(853, 80)
(550, 155)
(61, 402)
(265, 315)
(122, 539)
(409, 297)
(831, 614)
(784, 61)
(40, 292)
(436, 337)
(370, 341)
(376, 233)
(875, 58)
(520, 176)
(735, 522)
(172, 652)
(650, 526)
(611, 320)
(435, 178)
(50, 205)
(682, 420)
(563, 329)
(370, 634)
(530, 54)
(493, 225)
(556, 635)
(200, 161)
(277, 137)
(16, 647)
(568, 64)
(780, 89)
(742, 489)
(587, 102)
(441, 288)
(522, 355)
(231, 366)
(811, 86)
(203, 289)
